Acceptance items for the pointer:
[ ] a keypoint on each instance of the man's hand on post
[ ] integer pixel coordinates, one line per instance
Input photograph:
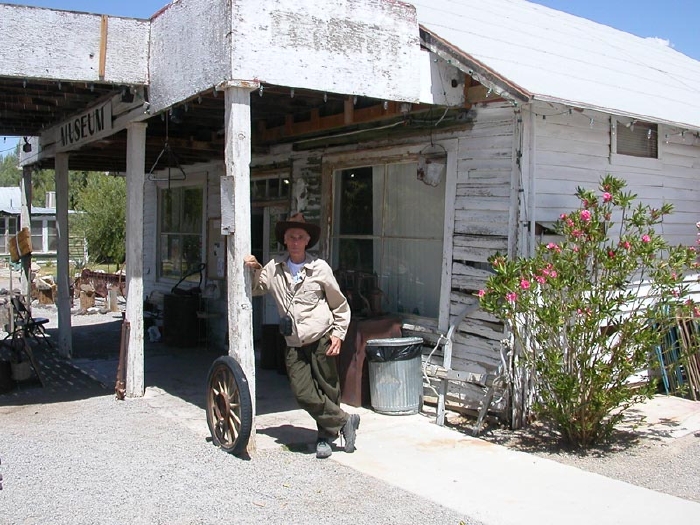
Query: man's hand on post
(251, 262)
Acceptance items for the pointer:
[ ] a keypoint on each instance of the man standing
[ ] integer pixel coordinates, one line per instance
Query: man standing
(314, 318)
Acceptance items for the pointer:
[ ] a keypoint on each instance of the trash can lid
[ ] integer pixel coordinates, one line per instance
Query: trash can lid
(396, 341)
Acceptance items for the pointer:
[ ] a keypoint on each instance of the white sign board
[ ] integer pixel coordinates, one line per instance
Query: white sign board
(84, 127)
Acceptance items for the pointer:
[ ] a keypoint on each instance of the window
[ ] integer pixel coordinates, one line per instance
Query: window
(51, 235)
(8, 229)
(390, 223)
(44, 235)
(637, 139)
(180, 230)
(270, 187)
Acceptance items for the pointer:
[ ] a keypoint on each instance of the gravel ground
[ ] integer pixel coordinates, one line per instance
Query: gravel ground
(99, 461)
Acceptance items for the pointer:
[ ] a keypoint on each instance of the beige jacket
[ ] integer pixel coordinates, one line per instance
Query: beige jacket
(316, 304)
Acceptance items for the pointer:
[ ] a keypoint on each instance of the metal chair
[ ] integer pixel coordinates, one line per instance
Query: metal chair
(26, 325)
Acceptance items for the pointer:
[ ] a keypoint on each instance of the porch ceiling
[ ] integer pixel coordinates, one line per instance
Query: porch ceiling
(194, 129)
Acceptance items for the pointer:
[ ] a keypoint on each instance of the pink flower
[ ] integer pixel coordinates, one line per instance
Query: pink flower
(675, 293)
(646, 238)
(511, 297)
(553, 274)
(607, 197)
(585, 203)
(674, 275)
(551, 246)
(611, 254)
(481, 293)
(626, 245)
(575, 248)
(563, 217)
(524, 284)
(576, 234)
(540, 279)
(569, 223)
(585, 215)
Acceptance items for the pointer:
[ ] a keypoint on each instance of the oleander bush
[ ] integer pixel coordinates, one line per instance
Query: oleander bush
(586, 313)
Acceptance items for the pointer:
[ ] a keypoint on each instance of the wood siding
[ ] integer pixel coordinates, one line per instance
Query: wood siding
(483, 224)
(574, 149)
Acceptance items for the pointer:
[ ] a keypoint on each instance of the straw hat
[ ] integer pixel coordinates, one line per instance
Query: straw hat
(297, 221)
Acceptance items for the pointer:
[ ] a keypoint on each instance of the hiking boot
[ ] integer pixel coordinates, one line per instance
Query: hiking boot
(323, 448)
(349, 432)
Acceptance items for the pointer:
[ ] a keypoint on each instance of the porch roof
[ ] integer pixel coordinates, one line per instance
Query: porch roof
(548, 55)
(529, 51)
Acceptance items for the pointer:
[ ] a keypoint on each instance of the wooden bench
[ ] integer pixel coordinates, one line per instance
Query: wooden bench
(489, 383)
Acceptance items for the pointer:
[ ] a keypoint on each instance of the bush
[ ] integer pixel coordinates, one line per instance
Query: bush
(587, 312)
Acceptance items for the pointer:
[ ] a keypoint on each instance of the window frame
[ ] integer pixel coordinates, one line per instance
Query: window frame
(44, 220)
(160, 191)
(7, 234)
(334, 162)
(622, 159)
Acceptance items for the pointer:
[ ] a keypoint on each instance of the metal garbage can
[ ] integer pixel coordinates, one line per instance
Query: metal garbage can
(395, 379)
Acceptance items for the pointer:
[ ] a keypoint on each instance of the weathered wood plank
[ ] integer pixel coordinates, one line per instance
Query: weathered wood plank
(483, 203)
(471, 176)
(484, 190)
(492, 216)
(488, 228)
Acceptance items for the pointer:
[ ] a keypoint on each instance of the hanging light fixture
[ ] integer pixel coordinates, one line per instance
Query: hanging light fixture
(432, 164)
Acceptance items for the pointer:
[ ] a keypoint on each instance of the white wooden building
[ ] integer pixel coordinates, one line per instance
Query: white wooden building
(225, 116)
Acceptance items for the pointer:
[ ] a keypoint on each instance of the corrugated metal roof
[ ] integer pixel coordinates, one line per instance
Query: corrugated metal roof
(10, 199)
(11, 202)
(559, 57)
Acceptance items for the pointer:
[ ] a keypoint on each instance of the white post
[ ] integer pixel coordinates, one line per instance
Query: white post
(235, 223)
(64, 300)
(135, 163)
(26, 221)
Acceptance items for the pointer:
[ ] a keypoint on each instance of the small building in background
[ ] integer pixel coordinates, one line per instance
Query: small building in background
(43, 227)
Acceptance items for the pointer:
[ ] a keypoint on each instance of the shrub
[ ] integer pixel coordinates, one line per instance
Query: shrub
(586, 313)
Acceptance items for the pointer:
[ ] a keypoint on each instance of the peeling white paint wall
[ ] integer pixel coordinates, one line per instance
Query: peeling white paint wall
(362, 47)
(65, 45)
(441, 83)
(190, 50)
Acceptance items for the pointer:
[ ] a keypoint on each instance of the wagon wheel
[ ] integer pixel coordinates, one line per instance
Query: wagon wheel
(229, 409)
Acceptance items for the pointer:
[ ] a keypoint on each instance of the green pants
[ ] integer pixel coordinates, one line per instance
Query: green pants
(314, 380)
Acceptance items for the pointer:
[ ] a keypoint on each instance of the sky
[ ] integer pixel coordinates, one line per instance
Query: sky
(671, 21)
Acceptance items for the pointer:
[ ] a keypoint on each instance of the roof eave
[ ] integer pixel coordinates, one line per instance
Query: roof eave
(474, 68)
(614, 112)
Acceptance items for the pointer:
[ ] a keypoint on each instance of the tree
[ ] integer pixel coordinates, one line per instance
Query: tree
(101, 204)
(10, 172)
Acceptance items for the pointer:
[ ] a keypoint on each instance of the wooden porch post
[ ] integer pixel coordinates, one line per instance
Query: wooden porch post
(64, 302)
(26, 220)
(235, 223)
(135, 165)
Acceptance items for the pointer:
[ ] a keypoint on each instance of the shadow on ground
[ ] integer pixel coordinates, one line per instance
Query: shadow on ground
(92, 371)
